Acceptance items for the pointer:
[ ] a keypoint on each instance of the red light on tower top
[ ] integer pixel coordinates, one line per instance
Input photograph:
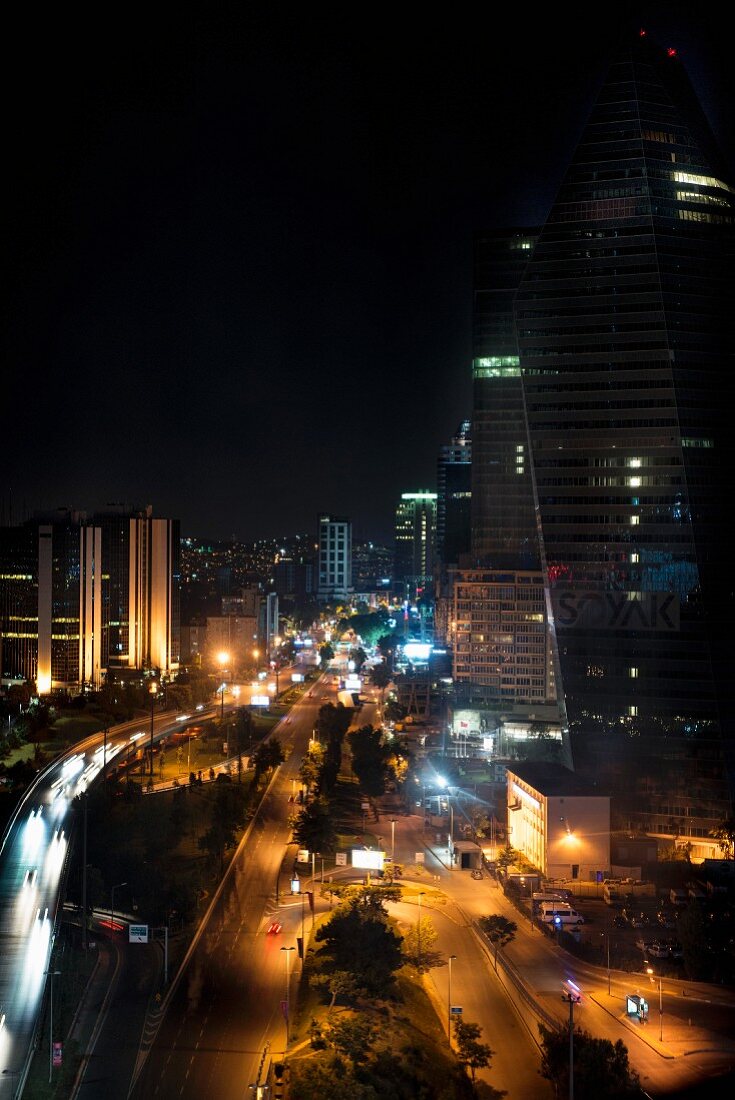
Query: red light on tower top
(671, 51)
(642, 33)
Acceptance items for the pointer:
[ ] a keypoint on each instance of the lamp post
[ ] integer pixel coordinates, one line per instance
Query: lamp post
(649, 971)
(449, 999)
(118, 886)
(572, 999)
(392, 838)
(288, 951)
(418, 932)
(51, 974)
(223, 658)
(153, 690)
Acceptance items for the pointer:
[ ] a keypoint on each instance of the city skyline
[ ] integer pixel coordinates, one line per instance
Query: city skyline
(240, 252)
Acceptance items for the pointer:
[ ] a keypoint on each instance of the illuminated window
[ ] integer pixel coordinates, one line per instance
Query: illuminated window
(635, 520)
(633, 673)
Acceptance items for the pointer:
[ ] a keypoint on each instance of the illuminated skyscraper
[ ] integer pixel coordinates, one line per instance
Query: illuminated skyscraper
(415, 534)
(624, 331)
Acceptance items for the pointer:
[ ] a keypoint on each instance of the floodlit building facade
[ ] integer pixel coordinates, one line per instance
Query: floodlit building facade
(558, 821)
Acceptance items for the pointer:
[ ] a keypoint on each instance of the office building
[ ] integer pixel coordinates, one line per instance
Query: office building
(82, 598)
(141, 590)
(504, 530)
(415, 535)
(624, 329)
(560, 822)
(335, 557)
(453, 496)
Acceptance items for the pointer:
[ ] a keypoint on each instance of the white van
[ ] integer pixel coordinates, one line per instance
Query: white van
(549, 911)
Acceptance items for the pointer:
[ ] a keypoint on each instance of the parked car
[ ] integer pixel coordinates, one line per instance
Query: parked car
(636, 918)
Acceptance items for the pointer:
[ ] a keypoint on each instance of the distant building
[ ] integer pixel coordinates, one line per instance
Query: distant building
(335, 557)
(497, 631)
(415, 537)
(559, 822)
(454, 496)
(141, 589)
(80, 599)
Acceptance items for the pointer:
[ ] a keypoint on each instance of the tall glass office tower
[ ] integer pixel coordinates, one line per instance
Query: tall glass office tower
(624, 328)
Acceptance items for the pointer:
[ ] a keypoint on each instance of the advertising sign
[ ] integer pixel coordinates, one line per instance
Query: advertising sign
(137, 933)
(297, 677)
(340, 859)
(57, 1054)
(616, 610)
(367, 860)
(260, 700)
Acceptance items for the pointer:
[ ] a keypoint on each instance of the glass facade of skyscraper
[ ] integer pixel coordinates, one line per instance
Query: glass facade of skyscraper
(625, 354)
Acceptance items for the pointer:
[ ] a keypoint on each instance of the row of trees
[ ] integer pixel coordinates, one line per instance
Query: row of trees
(314, 827)
(360, 955)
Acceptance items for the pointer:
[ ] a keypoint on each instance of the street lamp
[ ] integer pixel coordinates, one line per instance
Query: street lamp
(118, 886)
(153, 690)
(418, 932)
(449, 999)
(572, 996)
(51, 974)
(223, 659)
(392, 838)
(288, 951)
(649, 971)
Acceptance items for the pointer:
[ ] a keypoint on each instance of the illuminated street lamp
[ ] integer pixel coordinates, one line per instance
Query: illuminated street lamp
(649, 971)
(223, 659)
(153, 690)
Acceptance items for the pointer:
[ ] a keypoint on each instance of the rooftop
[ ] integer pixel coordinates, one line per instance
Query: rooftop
(553, 779)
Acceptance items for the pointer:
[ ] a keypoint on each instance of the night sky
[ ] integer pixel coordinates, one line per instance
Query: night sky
(240, 247)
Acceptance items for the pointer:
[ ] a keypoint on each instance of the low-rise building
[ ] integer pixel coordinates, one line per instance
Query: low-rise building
(560, 822)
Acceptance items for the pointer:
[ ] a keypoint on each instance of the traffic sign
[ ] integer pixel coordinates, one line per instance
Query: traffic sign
(455, 1010)
(138, 933)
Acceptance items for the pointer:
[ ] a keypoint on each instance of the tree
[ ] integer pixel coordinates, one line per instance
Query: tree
(314, 828)
(418, 943)
(499, 930)
(365, 946)
(601, 1069)
(471, 1052)
(353, 1036)
(338, 983)
(725, 835)
(326, 653)
(380, 675)
(369, 759)
(269, 754)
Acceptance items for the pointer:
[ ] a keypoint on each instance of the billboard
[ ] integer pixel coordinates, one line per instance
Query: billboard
(615, 610)
(260, 700)
(417, 651)
(368, 859)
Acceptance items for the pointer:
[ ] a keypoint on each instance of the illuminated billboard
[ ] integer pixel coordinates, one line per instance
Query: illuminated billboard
(260, 700)
(367, 860)
(353, 683)
(297, 677)
(417, 651)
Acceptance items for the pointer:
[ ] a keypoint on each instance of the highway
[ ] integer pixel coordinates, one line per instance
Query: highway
(32, 860)
(225, 1018)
